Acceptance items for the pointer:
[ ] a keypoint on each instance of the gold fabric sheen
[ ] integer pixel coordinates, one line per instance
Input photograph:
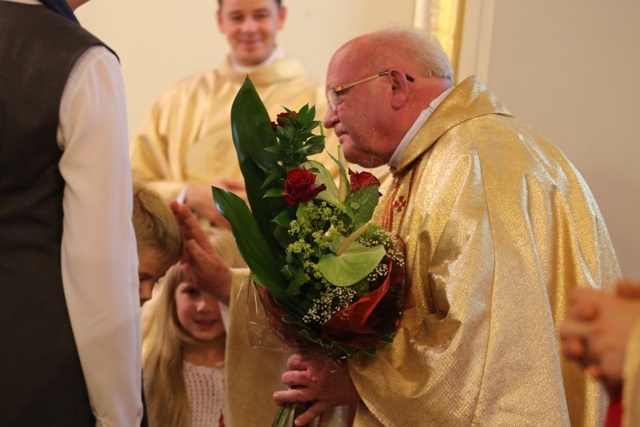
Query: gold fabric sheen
(252, 373)
(499, 227)
(252, 367)
(631, 376)
(186, 135)
(445, 24)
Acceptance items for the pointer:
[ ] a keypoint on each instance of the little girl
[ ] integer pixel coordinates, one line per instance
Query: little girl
(183, 355)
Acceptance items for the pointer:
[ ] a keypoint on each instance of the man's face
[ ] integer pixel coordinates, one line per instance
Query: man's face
(251, 27)
(355, 118)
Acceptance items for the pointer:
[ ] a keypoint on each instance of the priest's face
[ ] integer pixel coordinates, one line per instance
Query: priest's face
(358, 112)
(251, 27)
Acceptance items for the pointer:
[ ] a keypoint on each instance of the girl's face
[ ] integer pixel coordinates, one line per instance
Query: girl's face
(199, 313)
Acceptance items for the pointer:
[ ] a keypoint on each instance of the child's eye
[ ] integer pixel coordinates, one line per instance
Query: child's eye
(192, 292)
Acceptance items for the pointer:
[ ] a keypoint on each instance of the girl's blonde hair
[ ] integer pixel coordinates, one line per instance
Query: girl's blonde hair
(162, 356)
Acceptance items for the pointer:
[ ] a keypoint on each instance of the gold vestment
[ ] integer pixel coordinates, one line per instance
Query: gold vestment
(499, 227)
(253, 366)
(186, 135)
(631, 378)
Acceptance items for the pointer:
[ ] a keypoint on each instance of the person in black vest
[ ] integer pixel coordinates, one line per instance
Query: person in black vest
(69, 304)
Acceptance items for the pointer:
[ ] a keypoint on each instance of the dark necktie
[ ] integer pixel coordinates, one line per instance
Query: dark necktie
(61, 8)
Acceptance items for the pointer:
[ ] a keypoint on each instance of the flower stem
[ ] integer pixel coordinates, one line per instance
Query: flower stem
(352, 238)
(342, 183)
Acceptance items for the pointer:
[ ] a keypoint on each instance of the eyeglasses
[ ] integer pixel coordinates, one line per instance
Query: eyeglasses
(332, 94)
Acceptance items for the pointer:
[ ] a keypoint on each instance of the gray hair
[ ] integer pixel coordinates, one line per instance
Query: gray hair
(425, 50)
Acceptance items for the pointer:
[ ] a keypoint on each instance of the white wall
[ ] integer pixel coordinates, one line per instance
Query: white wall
(571, 69)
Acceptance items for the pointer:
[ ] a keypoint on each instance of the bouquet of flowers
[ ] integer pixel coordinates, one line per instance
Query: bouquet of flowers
(329, 279)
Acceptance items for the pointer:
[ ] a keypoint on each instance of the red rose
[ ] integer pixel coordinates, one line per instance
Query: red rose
(280, 120)
(360, 180)
(300, 186)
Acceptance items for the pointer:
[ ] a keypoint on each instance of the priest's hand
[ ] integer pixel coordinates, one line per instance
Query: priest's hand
(200, 262)
(320, 382)
(199, 198)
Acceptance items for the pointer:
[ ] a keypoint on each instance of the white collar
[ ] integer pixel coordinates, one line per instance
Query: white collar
(394, 161)
(277, 53)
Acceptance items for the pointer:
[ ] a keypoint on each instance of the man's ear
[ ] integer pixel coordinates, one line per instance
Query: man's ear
(399, 88)
(282, 16)
(219, 19)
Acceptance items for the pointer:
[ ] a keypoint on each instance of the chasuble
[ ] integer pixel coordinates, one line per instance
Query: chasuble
(186, 136)
(499, 227)
(631, 380)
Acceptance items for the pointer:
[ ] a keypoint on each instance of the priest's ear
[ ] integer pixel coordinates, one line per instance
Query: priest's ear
(400, 82)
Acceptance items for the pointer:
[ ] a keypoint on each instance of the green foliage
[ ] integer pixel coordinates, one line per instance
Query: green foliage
(304, 253)
(351, 266)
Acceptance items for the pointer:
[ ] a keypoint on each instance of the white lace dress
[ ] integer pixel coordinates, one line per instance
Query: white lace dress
(205, 388)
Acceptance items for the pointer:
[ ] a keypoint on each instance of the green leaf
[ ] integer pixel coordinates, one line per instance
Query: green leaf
(254, 249)
(352, 266)
(283, 219)
(287, 318)
(311, 335)
(371, 351)
(272, 177)
(386, 338)
(323, 176)
(299, 279)
(264, 210)
(274, 192)
(348, 351)
(251, 131)
(251, 128)
(366, 200)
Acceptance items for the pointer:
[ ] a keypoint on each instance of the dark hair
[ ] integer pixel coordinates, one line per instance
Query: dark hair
(279, 2)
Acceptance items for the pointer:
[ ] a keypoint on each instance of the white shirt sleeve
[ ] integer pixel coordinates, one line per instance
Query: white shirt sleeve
(99, 258)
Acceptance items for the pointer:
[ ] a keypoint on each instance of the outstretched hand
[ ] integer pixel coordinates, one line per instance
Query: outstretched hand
(597, 329)
(322, 383)
(200, 262)
(199, 198)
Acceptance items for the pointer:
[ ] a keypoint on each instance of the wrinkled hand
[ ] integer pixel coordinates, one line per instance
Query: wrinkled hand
(597, 329)
(321, 382)
(200, 262)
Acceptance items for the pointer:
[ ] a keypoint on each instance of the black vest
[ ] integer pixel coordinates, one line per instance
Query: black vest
(41, 380)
